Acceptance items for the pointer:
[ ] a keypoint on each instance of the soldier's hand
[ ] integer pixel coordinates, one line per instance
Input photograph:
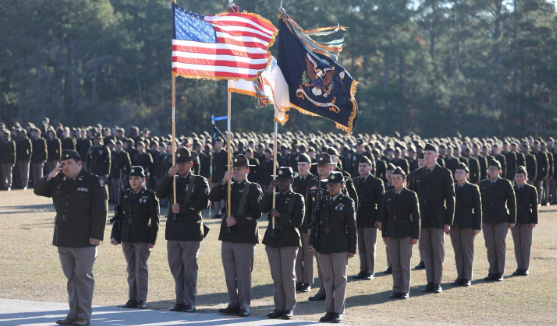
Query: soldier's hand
(94, 242)
(511, 225)
(113, 241)
(54, 172)
(414, 241)
(150, 246)
(272, 186)
(385, 240)
(447, 228)
(176, 208)
(476, 232)
(275, 213)
(378, 225)
(532, 225)
(172, 171)
(227, 176)
(311, 249)
(350, 255)
(231, 221)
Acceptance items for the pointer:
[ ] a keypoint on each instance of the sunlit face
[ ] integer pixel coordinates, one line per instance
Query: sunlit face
(421, 162)
(460, 175)
(71, 168)
(334, 188)
(184, 168)
(520, 178)
(430, 157)
(136, 182)
(397, 180)
(389, 175)
(240, 173)
(364, 169)
(284, 184)
(494, 172)
(303, 168)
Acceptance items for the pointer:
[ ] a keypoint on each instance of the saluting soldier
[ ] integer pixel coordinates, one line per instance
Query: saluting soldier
(304, 260)
(239, 234)
(499, 215)
(81, 204)
(282, 240)
(370, 189)
(526, 221)
(184, 227)
(436, 193)
(400, 226)
(137, 232)
(334, 237)
(467, 224)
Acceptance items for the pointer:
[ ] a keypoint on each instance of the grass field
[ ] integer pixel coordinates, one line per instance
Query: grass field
(30, 269)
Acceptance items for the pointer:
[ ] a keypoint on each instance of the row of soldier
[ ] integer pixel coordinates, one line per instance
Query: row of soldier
(329, 214)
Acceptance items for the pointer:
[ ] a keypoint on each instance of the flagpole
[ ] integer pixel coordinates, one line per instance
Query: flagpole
(229, 208)
(274, 173)
(174, 133)
(211, 162)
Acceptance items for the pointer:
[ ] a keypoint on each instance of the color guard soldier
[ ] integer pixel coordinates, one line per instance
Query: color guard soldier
(239, 234)
(282, 240)
(467, 224)
(81, 204)
(184, 227)
(436, 194)
(137, 232)
(334, 238)
(400, 226)
(304, 261)
(499, 215)
(370, 189)
(526, 220)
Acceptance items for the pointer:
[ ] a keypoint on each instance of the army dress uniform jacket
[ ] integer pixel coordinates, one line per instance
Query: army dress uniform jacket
(400, 215)
(526, 204)
(349, 189)
(337, 226)
(188, 225)
(288, 223)
(436, 195)
(120, 161)
(55, 150)
(40, 151)
(370, 192)
(98, 160)
(302, 188)
(140, 220)
(8, 152)
(81, 208)
(247, 230)
(468, 209)
(24, 149)
(499, 201)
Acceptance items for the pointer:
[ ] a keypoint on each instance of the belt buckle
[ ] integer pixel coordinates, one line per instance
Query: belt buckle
(327, 229)
(64, 218)
(130, 220)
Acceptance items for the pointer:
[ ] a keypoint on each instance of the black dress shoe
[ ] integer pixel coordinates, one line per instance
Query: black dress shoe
(359, 276)
(275, 314)
(457, 282)
(404, 296)
(437, 288)
(421, 265)
(177, 307)
(66, 321)
(327, 317)
(298, 286)
(499, 277)
(525, 272)
(243, 313)
(317, 297)
(229, 311)
(466, 282)
(518, 272)
(388, 270)
(367, 277)
(490, 277)
(428, 288)
(395, 295)
(288, 314)
(141, 305)
(337, 318)
(130, 304)
(188, 308)
(306, 287)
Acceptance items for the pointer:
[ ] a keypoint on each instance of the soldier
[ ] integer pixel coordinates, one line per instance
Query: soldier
(334, 237)
(54, 150)
(68, 142)
(304, 260)
(436, 193)
(137, 232)
(543, 169)
(388, 186)
(474, 166)
(220, 160)
(400, 225)
(368, 218)
(380, 166)
(356, 157)
(412, 161)
(531, 163)
(282, 240)
(81, 204)
(39, 155)
(120, 161)
(496, 154)
(7, 160)
(526, 220)
(499, 215)
(185, 229)
(553, 182)
(510, 159)
(142, 158)
(401, 162)
(98, 158)
(205, 161)
(255, 173)
(482, 161)
(24, 151)
(239, 234)
(546, 198)
(411, 182)
(466, 225)
(83, 144)
(450, 162)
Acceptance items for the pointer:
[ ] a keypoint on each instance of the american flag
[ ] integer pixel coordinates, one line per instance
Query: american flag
(228, 46)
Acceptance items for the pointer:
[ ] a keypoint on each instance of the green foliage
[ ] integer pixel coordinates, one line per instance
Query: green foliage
(435, 67)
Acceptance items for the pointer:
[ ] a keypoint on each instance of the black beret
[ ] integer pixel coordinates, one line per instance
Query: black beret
(430, 147)
(462, 166)
(304, 158)
(398, 170)
(184, 155)
(138, 171)
(522, 170)
(421, 156)
(365, 159)
(69, 154)
(332, 151)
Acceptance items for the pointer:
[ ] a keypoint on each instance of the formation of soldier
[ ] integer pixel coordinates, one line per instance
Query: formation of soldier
(331, 195)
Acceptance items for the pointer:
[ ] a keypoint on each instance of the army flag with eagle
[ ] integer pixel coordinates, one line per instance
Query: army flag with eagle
(318, 85)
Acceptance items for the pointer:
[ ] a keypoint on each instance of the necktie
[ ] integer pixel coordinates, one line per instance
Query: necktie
(427, 171)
